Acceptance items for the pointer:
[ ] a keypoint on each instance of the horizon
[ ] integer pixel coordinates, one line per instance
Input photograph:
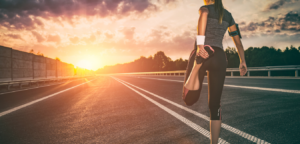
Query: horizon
(107, 33)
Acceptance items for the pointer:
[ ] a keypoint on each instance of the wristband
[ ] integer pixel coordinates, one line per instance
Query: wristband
(200, 39)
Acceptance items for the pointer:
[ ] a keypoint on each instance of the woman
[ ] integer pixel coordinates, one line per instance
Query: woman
(213, 22)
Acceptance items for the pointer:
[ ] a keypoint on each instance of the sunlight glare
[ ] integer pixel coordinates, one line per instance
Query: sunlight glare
(84, 64)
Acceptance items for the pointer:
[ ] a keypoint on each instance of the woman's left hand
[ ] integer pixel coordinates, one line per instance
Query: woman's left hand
(202, 52)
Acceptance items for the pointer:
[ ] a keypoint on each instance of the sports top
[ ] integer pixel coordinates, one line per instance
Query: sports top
(214, 32)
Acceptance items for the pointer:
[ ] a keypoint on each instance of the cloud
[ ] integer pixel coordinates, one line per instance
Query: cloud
(27, 14)
(54, 38)
(109, 35)
(87, 40)
(289, 21)
(276, 5)
(74, 40)
(163, 38)
(128, 32)
(14, 36)
(38, 37)
(91, 39)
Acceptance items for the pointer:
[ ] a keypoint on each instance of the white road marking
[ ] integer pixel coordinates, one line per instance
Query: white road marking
(34, 87)
(231, 77)
(176, 115)
(225, 126)
(246, 87)
(38, 100)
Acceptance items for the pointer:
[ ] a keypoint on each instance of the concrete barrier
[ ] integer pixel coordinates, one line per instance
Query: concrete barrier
(59, 69)
(70, 70)
(39, 67)
(21, 65)
(17, 65)
(5, 64)
(50, 68)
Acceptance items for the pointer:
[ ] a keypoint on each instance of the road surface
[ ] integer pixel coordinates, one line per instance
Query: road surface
(148, 109)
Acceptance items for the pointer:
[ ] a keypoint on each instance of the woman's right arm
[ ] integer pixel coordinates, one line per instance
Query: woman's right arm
(240, 49)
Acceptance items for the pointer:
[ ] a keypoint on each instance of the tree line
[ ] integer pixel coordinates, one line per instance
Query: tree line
(255, 57)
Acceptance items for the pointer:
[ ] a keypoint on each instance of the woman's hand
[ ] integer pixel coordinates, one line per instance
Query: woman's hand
(243, 68)
(202, 52)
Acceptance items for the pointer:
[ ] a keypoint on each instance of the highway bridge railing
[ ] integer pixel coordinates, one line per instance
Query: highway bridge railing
(269, 69)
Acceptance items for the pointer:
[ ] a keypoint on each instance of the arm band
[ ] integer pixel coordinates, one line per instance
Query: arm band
(200, 39)
(237, 32)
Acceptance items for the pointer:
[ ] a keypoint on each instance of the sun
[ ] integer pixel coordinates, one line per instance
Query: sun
(85, 64)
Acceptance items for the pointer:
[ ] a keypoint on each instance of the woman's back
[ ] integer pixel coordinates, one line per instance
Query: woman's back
(214, 31)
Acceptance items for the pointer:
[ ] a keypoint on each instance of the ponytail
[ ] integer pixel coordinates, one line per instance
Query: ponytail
(219, 8)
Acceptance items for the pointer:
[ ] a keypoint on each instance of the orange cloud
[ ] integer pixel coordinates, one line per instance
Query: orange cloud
(27, 14)
(14, 36)
(54, 38)
(128, 32)
(74, 40)
(38, 37)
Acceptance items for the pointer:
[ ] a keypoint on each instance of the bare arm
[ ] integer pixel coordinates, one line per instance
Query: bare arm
(201, 29)
(240, 49)
(237, 41)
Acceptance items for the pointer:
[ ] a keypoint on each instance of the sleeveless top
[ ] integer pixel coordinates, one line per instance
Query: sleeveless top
(214, 32)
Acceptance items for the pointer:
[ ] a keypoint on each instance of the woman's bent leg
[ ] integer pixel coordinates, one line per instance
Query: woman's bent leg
(191, 81)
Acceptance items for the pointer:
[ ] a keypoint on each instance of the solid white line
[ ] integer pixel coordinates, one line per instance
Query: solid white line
(225, 126)
(34, 88)
(176, 115)
(246, 87)
(38, 100)
(235, 77)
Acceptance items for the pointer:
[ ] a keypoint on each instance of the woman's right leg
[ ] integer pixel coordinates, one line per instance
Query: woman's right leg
(215, 81)
(215, 78)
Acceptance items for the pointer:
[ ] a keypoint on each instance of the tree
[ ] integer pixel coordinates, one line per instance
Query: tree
(57, 59)
(39, 53)
(31, 51)
(255, 57)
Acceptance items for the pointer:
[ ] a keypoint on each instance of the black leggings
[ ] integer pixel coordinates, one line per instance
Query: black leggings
(216, 71)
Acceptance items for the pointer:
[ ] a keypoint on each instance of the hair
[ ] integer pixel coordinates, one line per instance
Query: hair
(219, 8)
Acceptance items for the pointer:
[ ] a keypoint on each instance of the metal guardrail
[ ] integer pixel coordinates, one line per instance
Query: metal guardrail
(296, 68)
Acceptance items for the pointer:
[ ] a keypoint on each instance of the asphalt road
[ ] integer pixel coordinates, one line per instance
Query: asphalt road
(149, 109)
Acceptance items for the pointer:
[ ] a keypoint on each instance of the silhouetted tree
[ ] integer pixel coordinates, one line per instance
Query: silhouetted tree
(255, 57)
(57, 59)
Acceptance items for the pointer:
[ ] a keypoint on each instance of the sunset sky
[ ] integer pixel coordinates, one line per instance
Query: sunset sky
(94, 33)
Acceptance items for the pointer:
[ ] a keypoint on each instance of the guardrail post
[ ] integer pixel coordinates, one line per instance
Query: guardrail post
(248, 73)
(296, 73)
(269, 73)
(232, 73)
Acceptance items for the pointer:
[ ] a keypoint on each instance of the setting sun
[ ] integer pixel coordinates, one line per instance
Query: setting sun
(89, 61)
(84, 64)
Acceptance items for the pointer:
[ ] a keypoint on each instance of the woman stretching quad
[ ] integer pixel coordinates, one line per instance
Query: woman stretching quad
(213, 22)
